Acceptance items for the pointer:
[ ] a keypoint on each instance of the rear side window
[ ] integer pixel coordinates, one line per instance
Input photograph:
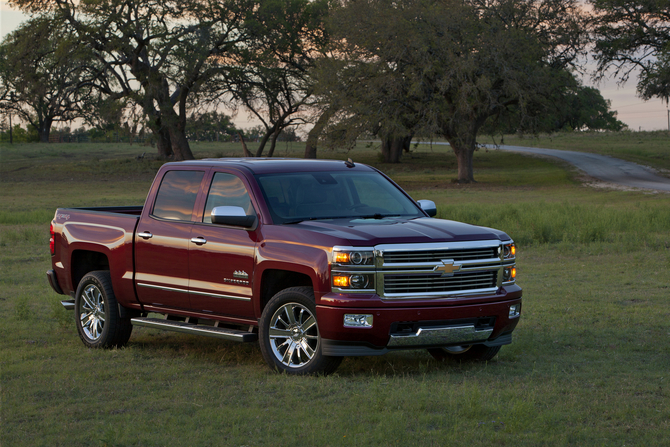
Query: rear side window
(176, 196)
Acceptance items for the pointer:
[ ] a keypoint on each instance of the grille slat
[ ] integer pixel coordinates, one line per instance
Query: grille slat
(394, 284)
(391, 257)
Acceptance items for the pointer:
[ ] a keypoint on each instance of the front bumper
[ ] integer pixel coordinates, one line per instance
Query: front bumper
(417, 325)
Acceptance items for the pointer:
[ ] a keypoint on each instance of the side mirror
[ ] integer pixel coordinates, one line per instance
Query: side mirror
(428, 206)
(232, 215)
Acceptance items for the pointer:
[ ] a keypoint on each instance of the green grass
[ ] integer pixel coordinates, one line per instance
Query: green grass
(588, 366)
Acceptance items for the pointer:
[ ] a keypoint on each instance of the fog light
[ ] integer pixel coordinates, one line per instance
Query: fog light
(357, 320)
(514, 310)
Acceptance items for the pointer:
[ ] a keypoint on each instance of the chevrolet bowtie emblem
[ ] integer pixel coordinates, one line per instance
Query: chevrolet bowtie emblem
(447, 268)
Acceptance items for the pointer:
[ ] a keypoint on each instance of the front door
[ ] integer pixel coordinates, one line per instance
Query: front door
(221, 258)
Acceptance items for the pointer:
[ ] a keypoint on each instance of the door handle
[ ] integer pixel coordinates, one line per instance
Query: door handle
(145, 235)
(199, 240)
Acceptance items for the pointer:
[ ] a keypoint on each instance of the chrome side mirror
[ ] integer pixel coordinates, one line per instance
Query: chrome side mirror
(428, 206)
(232, 215)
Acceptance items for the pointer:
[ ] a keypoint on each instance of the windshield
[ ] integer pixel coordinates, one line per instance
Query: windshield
(295, 197)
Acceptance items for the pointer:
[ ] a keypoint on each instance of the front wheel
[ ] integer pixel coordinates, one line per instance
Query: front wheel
(474, 353)
(97, 313)
(289, 334)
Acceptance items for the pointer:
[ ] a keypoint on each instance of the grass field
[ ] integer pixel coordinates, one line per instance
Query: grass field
(589, 364)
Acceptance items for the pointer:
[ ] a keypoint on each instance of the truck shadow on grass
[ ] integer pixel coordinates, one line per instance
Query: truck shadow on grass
(190, 348)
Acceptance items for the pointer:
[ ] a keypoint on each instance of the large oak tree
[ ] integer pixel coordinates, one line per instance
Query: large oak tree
(633, 38)
(41, 65)
(448, 66)
(157, 53)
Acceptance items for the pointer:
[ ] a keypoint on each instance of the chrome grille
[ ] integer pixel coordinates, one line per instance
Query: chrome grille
(406, 271)
(397, 257)
(431, 283)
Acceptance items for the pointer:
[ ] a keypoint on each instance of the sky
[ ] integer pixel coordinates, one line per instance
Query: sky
(634, 112)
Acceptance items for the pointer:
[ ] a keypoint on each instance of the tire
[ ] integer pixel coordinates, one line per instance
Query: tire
(97, 313)
(473, 353)
(289, 334)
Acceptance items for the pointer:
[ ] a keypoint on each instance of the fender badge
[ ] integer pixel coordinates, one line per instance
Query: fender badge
(447, 268)
(240, 274)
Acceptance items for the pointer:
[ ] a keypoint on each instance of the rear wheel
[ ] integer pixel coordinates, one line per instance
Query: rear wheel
(97, 313)
(289, 334)
(475, 353)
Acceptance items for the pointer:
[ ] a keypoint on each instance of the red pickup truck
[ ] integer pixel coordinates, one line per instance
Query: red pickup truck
(314, 259)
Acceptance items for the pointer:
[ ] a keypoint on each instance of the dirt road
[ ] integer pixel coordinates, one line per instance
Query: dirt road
(602, 167)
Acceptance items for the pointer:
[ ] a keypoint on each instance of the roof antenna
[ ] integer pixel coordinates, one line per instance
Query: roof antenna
(349, 163)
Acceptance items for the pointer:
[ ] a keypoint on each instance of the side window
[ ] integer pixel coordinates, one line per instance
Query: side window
(176, 196)
(227, 190)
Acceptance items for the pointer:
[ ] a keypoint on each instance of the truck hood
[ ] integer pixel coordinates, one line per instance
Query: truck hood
(370, 232)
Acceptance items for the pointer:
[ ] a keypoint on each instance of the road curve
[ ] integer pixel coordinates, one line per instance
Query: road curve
(602, 167)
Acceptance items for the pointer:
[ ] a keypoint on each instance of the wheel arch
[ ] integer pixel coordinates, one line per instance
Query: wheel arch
(275, 280)
(85, 261)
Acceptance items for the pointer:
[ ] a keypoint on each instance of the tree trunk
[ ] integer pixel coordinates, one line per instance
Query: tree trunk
(163, 143)
(392, 148)
(244, 145)
(407, 143)
(180, 146)
(313, 136)
(263, 141)
(44, 130)
(274, 142)
(464, 152)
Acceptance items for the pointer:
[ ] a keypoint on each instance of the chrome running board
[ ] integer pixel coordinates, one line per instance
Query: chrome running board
(68, 304)
(188, 328)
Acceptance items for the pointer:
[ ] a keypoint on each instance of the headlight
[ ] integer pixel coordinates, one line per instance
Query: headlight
(509, 274)
(353, 281)
(346, 256)
(509, 251)
(353, 269)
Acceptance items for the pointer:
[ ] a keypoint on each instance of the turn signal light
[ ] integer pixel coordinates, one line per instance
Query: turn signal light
(341, 281)
(341, 257)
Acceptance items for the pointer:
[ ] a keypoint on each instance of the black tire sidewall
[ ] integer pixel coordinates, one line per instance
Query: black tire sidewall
(102, 281)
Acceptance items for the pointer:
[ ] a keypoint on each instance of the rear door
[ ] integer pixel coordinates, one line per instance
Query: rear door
(221, 258)
(162, 240)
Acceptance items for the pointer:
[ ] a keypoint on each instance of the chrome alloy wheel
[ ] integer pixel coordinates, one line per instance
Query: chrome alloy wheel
(294, 335)
(92, 312)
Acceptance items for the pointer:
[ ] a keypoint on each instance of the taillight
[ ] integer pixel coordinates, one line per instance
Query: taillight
(52, 243)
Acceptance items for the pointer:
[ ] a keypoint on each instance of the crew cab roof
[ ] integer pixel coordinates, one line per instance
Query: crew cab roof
(275, 165)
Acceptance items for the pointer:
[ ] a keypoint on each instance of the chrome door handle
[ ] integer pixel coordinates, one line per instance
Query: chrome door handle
(199, 240)
(145, 235)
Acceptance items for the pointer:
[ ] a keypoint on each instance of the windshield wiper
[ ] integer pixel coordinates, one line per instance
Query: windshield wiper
(295, 221)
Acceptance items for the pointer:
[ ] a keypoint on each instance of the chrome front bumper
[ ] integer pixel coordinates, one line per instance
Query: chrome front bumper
(441, 336)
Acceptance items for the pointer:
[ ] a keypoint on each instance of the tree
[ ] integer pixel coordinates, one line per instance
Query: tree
(272, 80)
(577, 107)
(40, 68)
(157, 53)
(447, 66)
(209, 126)
(634, 36)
